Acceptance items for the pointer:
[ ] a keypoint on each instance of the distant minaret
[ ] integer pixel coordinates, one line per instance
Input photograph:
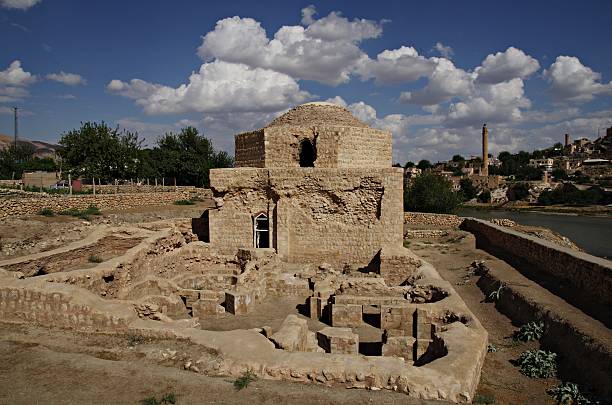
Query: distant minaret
(485, 151)
(567, 140)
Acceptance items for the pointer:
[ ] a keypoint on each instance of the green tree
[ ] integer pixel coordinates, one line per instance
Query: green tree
(468, 190)
(484, 197)
(458, 158)
(424, 164)
(518, 191)
(188, 157)
(559, 174)
(430, 193)
(529, 173)
(96, 150)
(408, 164)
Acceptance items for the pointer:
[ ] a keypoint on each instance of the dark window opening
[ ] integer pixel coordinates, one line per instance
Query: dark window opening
(261, 231)
(200, 227)
(308, 153)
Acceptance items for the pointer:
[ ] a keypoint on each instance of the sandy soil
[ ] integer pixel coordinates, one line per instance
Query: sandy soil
(39, 366)
(61, 367)
(451, 256)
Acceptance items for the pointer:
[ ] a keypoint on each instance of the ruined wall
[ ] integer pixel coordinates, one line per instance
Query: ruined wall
(282, 145)
(590, 275)
(249, 148)
(59, 308)
(245, 193)
(364, 147)
(334, 215)
(429, 219)
(31, 206)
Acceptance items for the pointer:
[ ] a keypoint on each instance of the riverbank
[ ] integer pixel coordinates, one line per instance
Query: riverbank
(591, 233)
(590, 211)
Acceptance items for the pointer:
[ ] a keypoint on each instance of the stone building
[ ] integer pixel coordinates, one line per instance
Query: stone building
(315, 185)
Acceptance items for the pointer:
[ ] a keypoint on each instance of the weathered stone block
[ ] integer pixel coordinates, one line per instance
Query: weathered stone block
(346, 315)
(292, 335)
(315, 306)
(207, 307)
(238, 302)
(400, 346)
(338, 340)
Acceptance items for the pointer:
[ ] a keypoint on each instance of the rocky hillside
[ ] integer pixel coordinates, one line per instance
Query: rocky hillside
(42, 149)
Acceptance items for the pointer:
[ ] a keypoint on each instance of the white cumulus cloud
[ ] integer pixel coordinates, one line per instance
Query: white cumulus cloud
(69, 79)
(14, 75)
(445, 82)
(570, 80)
(326, 50)
(444, 50)
(19, 4)
(507, 65)
(217, 87)
(396, 66)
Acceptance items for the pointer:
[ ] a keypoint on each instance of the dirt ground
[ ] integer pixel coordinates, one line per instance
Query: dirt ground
(41, 366)
(451, 255)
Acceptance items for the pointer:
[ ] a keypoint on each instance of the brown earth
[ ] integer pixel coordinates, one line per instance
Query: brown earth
(452, 255)
(61, 367)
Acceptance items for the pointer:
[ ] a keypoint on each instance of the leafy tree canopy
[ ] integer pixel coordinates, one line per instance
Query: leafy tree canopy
(430, 193)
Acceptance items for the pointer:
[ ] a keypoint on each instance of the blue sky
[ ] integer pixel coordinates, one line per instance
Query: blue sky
(431, 72)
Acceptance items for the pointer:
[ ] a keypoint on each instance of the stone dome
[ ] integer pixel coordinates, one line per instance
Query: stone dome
(316, 114)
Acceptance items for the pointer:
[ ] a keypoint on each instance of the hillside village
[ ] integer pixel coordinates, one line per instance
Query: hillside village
(582, 164)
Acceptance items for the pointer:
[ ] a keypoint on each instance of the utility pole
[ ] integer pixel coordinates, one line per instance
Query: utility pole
(16, 126)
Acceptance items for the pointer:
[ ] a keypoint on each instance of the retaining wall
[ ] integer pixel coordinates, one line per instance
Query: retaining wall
(31, 206)
(589, 276)
(429, 219)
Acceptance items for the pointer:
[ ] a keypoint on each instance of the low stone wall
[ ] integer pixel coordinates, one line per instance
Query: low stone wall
(429, 219)
(134, 188)
(31, 206)
(588, 276)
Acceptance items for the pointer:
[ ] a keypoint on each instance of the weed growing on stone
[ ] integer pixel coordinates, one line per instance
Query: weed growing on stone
(484, 399)
(496, 294)
(95, 259)
(530, 331)
(537, 363)
(244, 381)
(47, 212)
(569, 394)
(168, 398)
(491, 348)
(184, 202)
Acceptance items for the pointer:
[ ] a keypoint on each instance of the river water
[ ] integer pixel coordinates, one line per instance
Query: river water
(593, 234)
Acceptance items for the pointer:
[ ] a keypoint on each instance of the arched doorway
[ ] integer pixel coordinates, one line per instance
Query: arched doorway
(308, 153)
(261, 231)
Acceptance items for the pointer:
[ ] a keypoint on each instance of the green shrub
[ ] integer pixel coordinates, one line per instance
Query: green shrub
(184, 202)
(150, 401)
(530, 331)
(537, 363)
(168, 398)
(82, 214)
(484, 197)
(92, 210)
(95, 259)
(244, 381)
(47, 212)
(568, 394)
(484, 399)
